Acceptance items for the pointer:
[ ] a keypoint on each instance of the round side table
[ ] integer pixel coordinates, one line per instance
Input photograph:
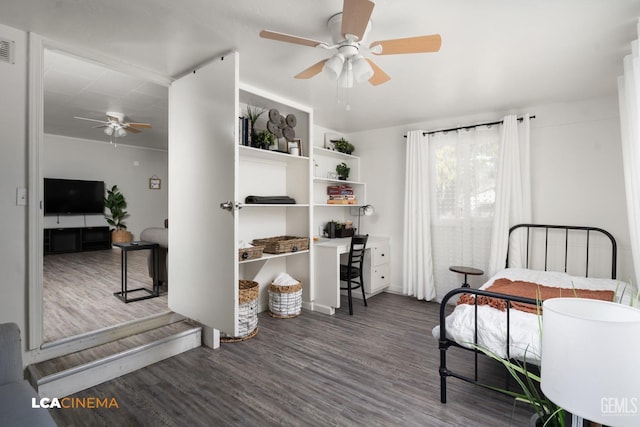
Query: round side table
(466, 271)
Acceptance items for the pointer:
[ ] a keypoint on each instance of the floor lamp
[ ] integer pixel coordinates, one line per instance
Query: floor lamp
(589, 360)
(367, 210)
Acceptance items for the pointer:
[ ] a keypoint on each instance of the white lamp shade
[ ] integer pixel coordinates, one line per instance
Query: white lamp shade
(121, 132)
(589, 359)
(362, 71)
(333, 66)
(368, 210)
(108, 130)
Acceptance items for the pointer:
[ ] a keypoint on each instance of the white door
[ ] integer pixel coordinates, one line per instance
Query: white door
(203, 273)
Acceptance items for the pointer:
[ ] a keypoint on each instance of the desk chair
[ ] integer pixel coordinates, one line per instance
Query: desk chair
(352, 272)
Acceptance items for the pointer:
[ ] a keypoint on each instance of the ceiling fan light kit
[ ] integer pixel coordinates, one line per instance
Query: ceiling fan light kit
(348, 30)
(115, 125)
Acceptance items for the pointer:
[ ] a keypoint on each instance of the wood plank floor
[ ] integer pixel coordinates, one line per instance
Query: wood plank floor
(78, 292)
(378, 367)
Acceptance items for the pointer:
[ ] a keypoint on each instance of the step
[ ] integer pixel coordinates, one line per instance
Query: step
(83, 369)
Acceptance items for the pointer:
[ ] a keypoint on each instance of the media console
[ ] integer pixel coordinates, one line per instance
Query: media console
(78, 239)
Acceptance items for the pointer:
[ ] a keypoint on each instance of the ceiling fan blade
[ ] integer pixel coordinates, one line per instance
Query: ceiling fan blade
(355, 16)
(91, 120)
(418, 44)
(379, 76)
(311, 71)
(139, 125)
(100, 126)
(282, 37)
(133, 130)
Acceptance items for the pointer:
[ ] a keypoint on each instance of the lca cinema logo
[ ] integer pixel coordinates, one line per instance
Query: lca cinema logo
(75, 403)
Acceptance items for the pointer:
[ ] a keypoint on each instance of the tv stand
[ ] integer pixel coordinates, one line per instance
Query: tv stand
(78, 239)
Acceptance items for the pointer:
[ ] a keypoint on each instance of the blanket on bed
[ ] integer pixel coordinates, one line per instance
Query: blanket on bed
(530, 290)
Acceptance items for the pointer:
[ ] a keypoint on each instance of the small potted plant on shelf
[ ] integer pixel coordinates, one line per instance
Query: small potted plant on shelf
(116, 204)
(343, 146)
(265, 139)
(253, 114)
(343, 171)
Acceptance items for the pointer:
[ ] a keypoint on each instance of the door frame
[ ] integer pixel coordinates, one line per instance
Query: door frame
(37, 45)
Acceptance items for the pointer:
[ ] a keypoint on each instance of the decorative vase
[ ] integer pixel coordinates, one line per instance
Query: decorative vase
(121, 236)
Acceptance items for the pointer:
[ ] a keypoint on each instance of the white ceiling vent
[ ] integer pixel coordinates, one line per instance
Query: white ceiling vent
(6, 50)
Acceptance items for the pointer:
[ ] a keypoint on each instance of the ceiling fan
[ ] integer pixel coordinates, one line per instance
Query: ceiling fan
(348, 30)
(116, 126)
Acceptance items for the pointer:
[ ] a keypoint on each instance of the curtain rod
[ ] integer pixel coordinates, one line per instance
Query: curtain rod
(431, 132)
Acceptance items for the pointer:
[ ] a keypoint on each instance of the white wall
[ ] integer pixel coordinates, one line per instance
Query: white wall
(126, 166)
(576, 172)
(13, 167)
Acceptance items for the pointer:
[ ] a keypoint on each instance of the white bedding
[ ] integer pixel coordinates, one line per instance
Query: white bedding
(524, 327)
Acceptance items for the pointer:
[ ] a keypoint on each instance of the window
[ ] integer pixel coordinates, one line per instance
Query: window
(463, 176)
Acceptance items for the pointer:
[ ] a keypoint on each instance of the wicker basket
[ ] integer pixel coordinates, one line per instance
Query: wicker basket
(283, 244)
(253, 252)
(285, 301)
(247, 312)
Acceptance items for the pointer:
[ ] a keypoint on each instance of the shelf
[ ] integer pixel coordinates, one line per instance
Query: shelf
(259, 153)
(333, 153)
(266, 257)
(337, 181)
(334, 205)
(272, 205)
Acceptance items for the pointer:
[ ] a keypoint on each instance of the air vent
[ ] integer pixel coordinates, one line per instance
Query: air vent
(6, 50)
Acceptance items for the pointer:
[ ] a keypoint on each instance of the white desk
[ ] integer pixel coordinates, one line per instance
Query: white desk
(327, 253)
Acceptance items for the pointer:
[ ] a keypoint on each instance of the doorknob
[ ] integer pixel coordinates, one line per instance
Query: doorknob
(230, 206)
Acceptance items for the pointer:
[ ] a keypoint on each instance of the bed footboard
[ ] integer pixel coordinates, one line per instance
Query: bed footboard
(444, 343)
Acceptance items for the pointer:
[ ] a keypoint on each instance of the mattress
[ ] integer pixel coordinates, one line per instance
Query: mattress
(525, 328)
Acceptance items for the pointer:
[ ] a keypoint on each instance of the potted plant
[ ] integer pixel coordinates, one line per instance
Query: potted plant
(265, 139)
(547, 413)
(116, 204)
(331, 228)
(343, 171)
(253, 113)
(343, 146)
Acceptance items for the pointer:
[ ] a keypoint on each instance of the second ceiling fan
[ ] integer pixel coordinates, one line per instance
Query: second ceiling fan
(348, 30)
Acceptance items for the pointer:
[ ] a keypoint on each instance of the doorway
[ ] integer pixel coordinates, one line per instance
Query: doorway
(71, 292)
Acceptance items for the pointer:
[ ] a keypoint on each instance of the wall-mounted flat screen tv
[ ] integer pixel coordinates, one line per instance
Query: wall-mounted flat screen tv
(73, 197)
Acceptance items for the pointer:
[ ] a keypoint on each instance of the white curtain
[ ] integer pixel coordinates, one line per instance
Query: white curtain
(629, 98)
(463, 172)
(513, 193)
(417, 259)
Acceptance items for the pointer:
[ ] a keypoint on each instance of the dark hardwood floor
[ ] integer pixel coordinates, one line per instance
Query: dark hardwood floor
(78, 292)
(378, 367)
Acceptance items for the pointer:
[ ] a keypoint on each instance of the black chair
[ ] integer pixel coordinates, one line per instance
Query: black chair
(352, 272)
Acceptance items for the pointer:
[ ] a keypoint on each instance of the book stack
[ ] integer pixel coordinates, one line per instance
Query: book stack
(341, 195)
(244, 131)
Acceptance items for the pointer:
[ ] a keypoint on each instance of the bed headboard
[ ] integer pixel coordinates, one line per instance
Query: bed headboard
(585, 231)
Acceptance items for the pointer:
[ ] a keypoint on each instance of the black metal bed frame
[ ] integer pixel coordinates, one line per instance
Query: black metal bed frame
(445, 343)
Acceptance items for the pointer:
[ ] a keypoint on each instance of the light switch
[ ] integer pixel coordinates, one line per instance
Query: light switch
(21, 196)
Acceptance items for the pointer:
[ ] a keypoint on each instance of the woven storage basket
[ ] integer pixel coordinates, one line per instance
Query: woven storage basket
(247, 312)
(285, 301)
(250, 253)
(283, 244)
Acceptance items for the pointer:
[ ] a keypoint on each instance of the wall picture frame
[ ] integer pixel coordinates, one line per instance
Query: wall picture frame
(155, 183)
(296, 143)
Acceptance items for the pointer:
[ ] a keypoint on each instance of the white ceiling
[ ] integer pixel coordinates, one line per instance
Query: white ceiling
(496, 55)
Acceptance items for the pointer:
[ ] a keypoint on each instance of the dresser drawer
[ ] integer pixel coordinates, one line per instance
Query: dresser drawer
(380, 277)
(380, 254)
